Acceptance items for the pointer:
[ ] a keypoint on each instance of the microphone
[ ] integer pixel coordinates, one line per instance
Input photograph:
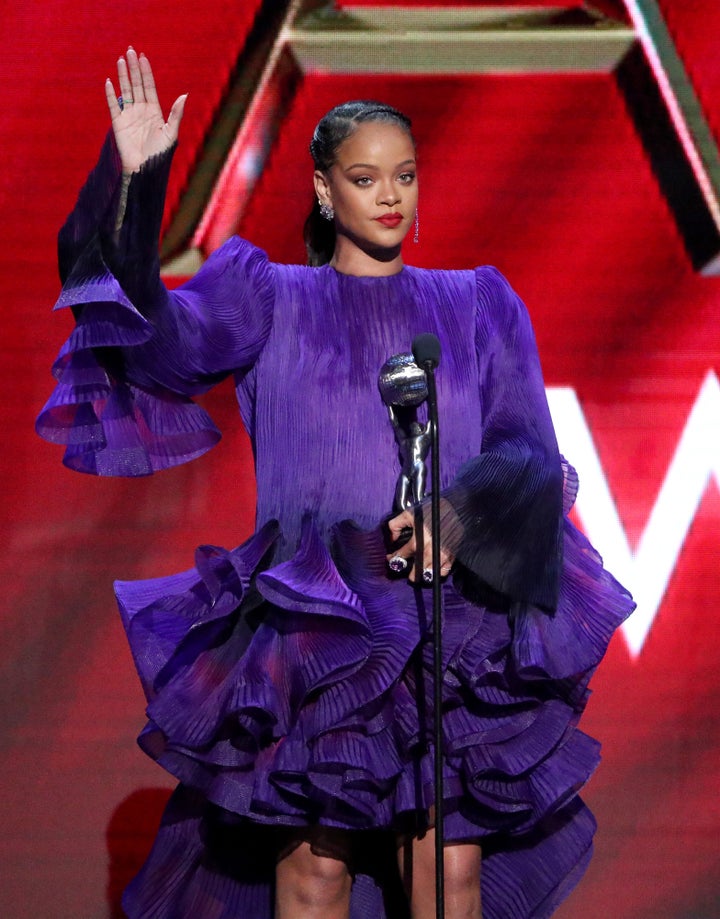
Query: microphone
(426, 350)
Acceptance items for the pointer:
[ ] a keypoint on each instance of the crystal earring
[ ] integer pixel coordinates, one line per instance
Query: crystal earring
(416, 237)
(326, 210)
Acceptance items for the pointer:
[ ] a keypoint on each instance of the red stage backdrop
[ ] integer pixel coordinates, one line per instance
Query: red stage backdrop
(544, 176)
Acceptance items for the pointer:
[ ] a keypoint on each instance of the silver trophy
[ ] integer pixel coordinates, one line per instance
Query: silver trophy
(403, 386)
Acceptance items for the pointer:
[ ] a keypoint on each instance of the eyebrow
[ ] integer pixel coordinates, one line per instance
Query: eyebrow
(372, 166)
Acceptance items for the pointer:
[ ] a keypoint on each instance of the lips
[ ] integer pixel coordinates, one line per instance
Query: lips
(390, 220)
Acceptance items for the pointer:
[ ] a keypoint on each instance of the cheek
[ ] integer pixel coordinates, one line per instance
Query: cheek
(352, 205)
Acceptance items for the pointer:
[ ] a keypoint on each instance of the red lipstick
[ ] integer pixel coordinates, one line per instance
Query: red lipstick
(390, 220)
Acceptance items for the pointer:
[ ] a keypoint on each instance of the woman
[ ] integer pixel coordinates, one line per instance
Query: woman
(289, 679)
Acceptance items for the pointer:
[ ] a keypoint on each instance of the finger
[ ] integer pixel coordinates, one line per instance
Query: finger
(424, 575)
(445, 569)
(427, 558)
(112, 101)
(396, 524)
(426, 570)
(148, 80)
(446, 561)
(398, 564)
(417, 575)
(136, 82)
(124, 78)
(402, 540)
(175, 116)
(400, 560)
(408, 548)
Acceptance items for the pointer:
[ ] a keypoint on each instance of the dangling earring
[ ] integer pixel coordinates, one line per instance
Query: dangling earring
(326, 210)
(416, 237)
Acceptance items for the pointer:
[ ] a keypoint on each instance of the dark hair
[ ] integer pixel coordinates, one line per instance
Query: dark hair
(332, 129)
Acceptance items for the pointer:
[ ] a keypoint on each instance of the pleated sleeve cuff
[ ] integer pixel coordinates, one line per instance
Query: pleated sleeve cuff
(503, 512)
(109, 425)
(138, 352)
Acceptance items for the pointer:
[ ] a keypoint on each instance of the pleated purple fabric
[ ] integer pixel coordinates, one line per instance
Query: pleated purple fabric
(289, 679)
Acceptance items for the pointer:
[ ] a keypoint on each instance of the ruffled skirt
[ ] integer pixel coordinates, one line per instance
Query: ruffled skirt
(300, 694)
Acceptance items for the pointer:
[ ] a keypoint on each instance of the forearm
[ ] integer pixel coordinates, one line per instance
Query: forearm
(93, 216)
(122, 203)
(131, 249)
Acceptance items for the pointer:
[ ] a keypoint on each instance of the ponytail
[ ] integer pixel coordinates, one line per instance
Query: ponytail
(319, 236)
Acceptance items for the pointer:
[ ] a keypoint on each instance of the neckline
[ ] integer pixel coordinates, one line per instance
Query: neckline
(366, 277)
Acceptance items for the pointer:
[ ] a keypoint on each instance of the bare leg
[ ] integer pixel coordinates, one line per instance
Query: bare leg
(462, 878)
(310, 886)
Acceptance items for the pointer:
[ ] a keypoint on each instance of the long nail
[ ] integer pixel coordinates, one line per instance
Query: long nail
(398, 564)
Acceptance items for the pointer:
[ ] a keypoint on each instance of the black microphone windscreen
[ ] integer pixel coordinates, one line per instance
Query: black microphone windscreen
(426, 349)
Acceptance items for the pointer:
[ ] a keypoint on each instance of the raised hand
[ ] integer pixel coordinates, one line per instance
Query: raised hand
(138, 123)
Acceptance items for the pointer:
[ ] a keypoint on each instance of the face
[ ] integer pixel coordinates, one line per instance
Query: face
(372, 187)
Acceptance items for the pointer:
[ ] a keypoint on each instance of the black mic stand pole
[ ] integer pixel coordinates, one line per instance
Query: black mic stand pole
(428, 365)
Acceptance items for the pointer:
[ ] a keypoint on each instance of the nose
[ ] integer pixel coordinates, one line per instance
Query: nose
(388, 193)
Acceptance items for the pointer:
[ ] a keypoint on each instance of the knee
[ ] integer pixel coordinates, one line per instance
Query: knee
(313, 879)
(462, 878)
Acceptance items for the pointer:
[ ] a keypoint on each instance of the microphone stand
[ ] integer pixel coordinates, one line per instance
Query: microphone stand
(428, 364)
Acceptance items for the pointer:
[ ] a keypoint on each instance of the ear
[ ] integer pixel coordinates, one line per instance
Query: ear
(322, 187)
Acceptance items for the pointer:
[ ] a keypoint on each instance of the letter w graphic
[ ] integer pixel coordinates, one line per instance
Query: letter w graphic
(646, 571)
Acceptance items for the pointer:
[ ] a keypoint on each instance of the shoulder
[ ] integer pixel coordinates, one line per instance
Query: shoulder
(501, 312)
(240, 251)
(453, 282)
(483, 291)
(486, 280)
(493, 285)
(235, 262)
(496, 294)
(237, 280)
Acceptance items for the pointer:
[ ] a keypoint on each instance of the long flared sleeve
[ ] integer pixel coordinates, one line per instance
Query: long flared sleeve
(138, 352)
(505, 505)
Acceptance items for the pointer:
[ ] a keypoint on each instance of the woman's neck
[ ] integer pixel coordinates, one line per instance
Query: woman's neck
(351, 259)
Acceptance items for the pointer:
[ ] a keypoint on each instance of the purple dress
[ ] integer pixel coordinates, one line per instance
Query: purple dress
(289, 680)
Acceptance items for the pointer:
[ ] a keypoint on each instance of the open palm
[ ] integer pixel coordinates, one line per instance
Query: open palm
(138, 123)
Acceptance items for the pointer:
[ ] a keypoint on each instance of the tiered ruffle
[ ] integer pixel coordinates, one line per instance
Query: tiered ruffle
(301, 693)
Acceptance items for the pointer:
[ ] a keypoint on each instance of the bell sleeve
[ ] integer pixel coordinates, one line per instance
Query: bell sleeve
(125, 376)
(503, 511)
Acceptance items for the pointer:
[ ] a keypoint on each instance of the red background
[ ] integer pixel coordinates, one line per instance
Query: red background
(543, 176)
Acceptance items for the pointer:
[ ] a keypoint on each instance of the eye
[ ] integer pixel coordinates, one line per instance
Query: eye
(362, 181)
(407, 178)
